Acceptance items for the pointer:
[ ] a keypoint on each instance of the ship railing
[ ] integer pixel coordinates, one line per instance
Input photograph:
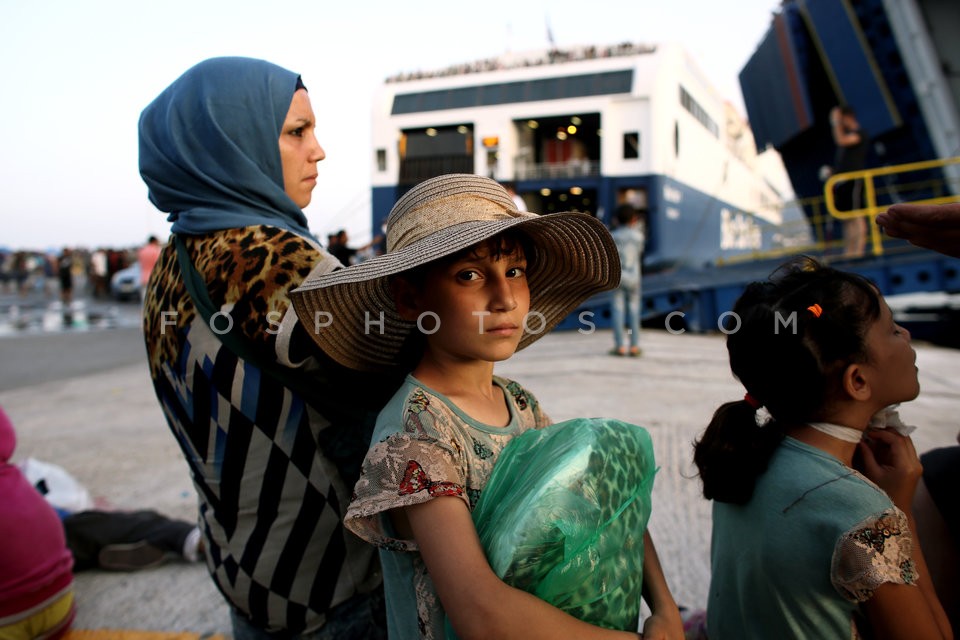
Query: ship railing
(877, 197)
(809, 234)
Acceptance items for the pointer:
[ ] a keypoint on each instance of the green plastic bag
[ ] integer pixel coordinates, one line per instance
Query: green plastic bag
(564, 513)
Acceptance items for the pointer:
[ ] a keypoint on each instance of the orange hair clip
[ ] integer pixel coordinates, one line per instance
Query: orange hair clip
(815, 309)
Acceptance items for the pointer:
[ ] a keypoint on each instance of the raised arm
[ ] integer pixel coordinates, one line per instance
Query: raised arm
(664, 622)
(841, 136)
(902, 611)
(478, 603)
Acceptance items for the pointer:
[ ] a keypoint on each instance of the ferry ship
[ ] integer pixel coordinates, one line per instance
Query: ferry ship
(588, 129)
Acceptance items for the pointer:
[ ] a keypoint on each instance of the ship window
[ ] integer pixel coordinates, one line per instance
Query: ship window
(381, 160)
(592, 84)
(631, 145)
(492, 160)
(544, 89)
(462, 98)
(698, 112)
(581, 85)
(514, 92)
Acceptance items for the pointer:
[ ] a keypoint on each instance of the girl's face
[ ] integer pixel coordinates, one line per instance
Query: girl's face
(299, 150)
(892, 361)
(481, 301)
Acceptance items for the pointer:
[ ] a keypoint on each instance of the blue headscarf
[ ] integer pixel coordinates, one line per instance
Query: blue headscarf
(209, 147)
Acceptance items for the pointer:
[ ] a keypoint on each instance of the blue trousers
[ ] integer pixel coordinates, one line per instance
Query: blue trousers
(625, 305)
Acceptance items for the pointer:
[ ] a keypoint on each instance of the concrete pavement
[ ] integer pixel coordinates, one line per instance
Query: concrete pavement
(107, 429)
(40, 342)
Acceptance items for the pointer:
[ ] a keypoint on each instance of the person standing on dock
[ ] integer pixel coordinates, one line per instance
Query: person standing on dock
(147, 257)
(851, 155)
(625, 303)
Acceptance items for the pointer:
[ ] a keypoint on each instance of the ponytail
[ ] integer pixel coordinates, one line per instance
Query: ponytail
(734, 451)
(794, 369)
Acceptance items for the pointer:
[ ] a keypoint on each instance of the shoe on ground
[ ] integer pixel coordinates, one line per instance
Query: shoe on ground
(130, 557)
(636, 352)
(193, 549)
(622, 351)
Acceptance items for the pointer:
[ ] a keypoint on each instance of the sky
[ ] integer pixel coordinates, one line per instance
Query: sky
(77, 74)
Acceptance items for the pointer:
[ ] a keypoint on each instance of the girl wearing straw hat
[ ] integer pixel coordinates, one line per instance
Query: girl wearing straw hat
(466, 281)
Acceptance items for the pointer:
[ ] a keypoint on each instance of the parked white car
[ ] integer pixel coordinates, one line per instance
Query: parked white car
(125, 284)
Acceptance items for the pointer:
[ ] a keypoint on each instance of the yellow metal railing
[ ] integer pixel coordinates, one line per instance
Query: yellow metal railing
(870, 191)
(820, 210)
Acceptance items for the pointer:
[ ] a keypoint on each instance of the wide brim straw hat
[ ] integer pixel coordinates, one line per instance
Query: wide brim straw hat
(351, 315)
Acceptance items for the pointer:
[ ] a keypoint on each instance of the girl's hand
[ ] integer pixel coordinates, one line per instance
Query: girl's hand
(890, 460)
(660, 627)
(478, 603)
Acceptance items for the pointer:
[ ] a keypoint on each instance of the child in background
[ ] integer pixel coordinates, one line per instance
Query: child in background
(480, 280)
(813, 534)
(36, 577)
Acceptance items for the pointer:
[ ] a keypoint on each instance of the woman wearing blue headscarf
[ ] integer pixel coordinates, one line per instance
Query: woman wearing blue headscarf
(272, 430)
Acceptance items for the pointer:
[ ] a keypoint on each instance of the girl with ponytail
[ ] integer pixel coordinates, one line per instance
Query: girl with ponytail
(813, 533)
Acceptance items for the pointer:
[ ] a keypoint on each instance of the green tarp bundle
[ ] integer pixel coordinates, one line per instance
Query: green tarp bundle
(563, 517)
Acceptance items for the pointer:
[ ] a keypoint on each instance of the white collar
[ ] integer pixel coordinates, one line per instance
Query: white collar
(838, 431)
(887, 418)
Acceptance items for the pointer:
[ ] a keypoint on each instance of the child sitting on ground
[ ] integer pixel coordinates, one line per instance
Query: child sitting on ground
(813, 533)
(466, 281)
(36, 579)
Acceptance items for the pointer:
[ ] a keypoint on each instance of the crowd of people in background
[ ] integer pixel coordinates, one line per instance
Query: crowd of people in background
(554, 55)
(24, 271)
(89, 272)
(339, 247)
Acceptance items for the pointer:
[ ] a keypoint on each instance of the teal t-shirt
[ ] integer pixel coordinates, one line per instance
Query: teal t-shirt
(814, 541)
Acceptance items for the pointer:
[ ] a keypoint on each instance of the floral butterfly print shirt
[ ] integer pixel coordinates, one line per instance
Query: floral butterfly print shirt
(425, 447)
